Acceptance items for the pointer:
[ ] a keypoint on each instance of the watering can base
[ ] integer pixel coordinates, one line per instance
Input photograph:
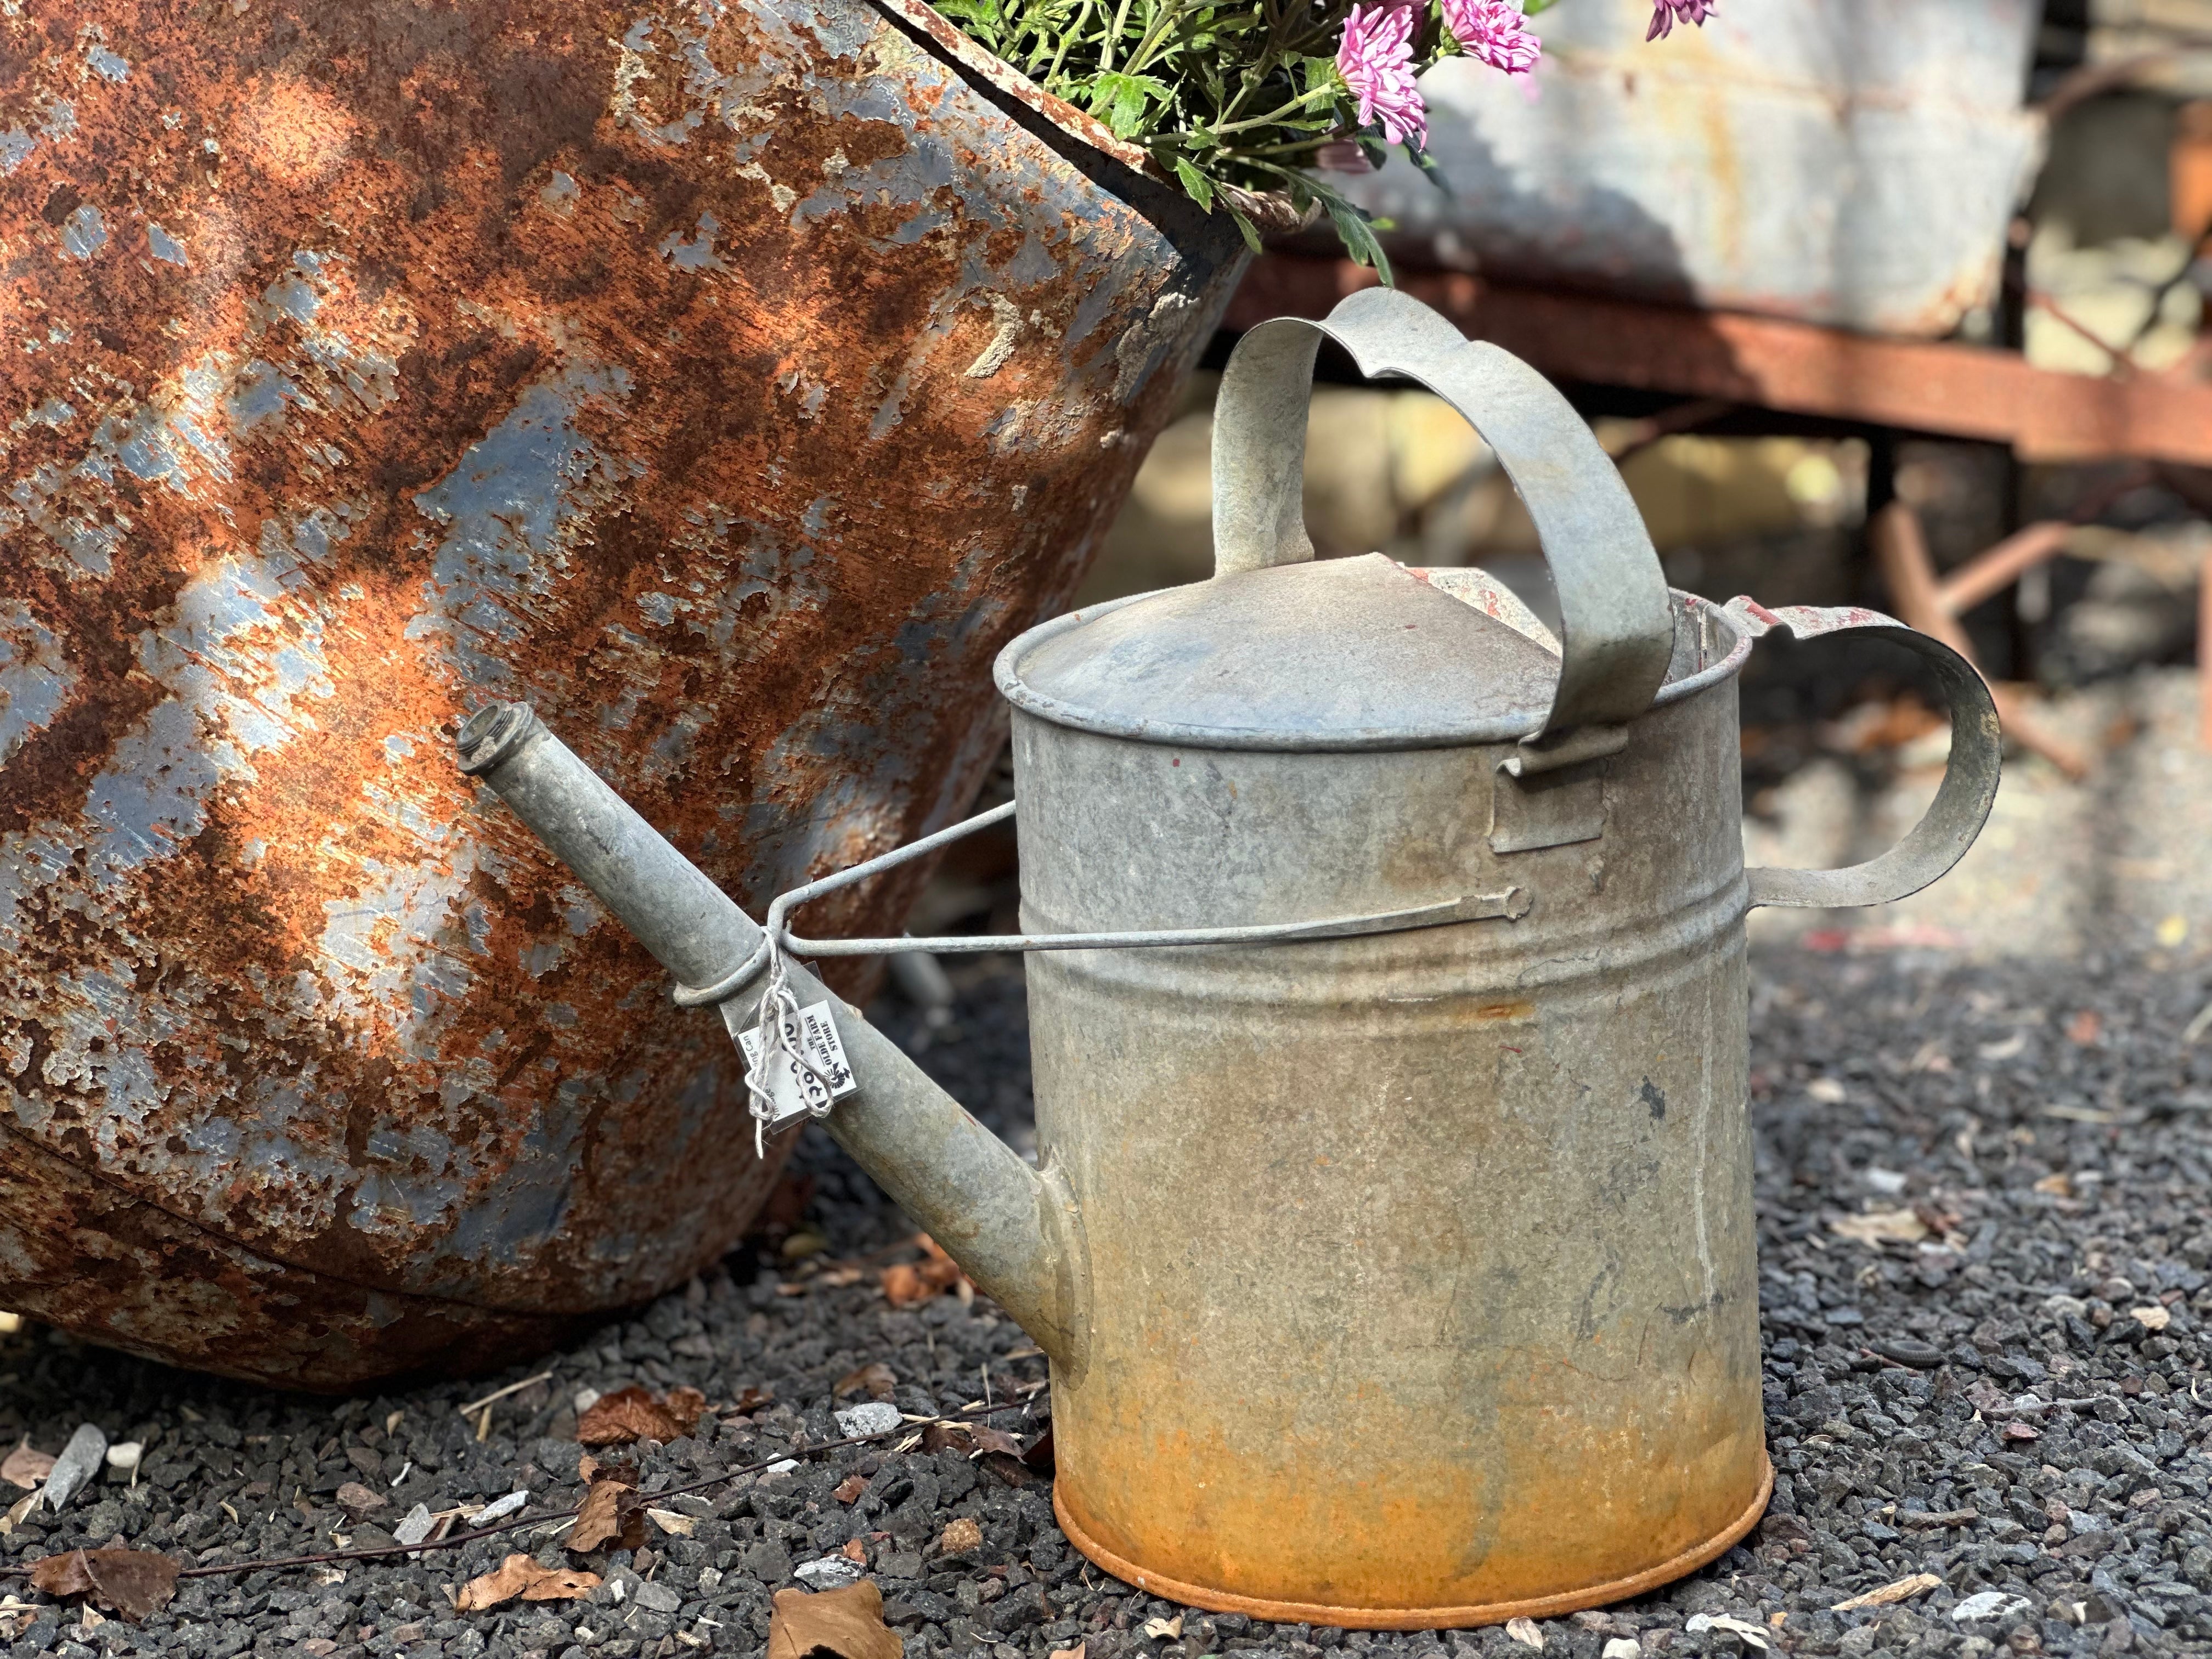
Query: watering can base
(1453, 1618)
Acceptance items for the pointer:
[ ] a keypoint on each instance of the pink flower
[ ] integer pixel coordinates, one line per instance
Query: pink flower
(1495, 32)
(1664, 12)
(1376, 59)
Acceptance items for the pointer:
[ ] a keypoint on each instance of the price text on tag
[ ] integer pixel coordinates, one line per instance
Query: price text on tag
(795, 1090)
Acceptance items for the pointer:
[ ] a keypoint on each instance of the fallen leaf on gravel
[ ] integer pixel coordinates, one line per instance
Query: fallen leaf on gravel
(2018, 1432)
(856, 1551)
(631, 1413)
(27, 1468)
(752, 1400)
(1524, 1632)
(2058, 1186)
(1903, 1590)
(996, 1440)
(878, 1379)
(909, 1283)
(2085, 1027)
(850, 1488)
(357, 1499)
(1754, 1635)
(133, 1583)
(612, 1512)
(960, 1537)
(1165, 1630)
(1075, 1652)
(946, 1437)
(1880, 1227)
(849, 1622)
(675, 1525)
(520, 1576)
(2151, 1318)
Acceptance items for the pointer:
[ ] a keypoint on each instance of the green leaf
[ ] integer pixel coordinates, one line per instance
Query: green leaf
(1120, 99)
(1245, 228)
(1358, 235)
(1196, 183)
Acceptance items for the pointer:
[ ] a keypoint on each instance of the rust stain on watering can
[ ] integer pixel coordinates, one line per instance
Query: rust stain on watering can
(734, 379)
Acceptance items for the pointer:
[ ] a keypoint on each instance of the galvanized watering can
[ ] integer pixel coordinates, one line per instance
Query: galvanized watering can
(1392, 1235)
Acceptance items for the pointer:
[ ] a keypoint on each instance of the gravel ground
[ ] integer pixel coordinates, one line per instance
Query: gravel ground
(2050, 1122)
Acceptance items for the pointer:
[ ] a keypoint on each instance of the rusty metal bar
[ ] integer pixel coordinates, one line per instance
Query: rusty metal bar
(1900, 553)
(1943, 389)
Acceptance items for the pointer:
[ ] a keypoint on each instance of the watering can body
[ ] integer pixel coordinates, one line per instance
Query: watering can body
(1399, 1274)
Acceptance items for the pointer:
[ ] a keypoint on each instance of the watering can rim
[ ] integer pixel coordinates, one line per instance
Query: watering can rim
(1007, 671)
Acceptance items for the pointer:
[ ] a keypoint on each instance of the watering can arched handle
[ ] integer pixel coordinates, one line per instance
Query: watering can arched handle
(1616, 629)
(1962, 801)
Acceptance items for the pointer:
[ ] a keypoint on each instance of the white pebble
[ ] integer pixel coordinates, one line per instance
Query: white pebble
(123, 1456)
(1988, 1604)
(831, 1573)
(871, 1417)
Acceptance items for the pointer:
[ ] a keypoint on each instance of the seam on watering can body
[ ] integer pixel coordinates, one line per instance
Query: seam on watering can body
(1686, 934)
(1005, 672)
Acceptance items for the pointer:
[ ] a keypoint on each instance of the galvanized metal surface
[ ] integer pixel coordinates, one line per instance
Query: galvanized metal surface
(731, 378)
(1846, 161)
(1426, 1258)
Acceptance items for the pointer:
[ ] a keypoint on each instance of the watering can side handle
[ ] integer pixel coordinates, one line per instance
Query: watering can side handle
(1617, 631)
(1962, 801)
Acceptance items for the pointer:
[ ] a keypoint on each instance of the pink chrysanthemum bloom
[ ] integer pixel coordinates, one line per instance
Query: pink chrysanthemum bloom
(1664, 12)
(1376, 59)
(1496, 32)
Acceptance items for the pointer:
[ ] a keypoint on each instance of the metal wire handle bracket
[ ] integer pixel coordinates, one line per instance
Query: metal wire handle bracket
(776, 937)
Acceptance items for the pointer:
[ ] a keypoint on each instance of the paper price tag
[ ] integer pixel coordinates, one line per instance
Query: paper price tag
(795, 1090)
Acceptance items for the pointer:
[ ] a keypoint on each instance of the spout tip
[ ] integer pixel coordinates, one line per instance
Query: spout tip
(492, 733)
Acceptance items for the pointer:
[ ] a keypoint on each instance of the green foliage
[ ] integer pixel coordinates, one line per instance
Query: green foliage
(1231, 100)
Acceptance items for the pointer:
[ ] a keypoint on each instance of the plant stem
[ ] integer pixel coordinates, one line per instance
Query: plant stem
(1113, 34)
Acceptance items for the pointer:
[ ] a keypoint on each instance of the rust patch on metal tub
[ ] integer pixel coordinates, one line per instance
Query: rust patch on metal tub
(369, 360)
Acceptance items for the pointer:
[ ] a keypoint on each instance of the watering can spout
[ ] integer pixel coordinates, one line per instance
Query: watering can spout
(1013, 1228)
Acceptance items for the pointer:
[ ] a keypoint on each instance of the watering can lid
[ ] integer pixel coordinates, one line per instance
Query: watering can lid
(1335, 653)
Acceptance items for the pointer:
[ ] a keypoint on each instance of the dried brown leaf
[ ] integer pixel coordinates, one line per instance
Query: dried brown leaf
(131, 1582)
(27, 1468)
(850, 1488)
(847, 1622)
(907, 1284)
(946, 1437)
(2085, 1028)
(878, 1379)
(1164, 1630)
(1903, 1590)
(520, 1576)
(1075, 1652)
(612, 1512)
(752, 1400)
(996, 1440)
(854, 1550)
(1881, 1227)
(632, 1414)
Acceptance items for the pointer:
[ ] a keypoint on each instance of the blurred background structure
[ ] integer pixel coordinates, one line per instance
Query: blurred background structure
(1898, 302)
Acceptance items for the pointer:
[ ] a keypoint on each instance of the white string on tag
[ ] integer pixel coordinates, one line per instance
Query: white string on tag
(794, 1060)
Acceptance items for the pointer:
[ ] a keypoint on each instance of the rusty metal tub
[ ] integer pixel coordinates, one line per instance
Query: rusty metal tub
(732, 381)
